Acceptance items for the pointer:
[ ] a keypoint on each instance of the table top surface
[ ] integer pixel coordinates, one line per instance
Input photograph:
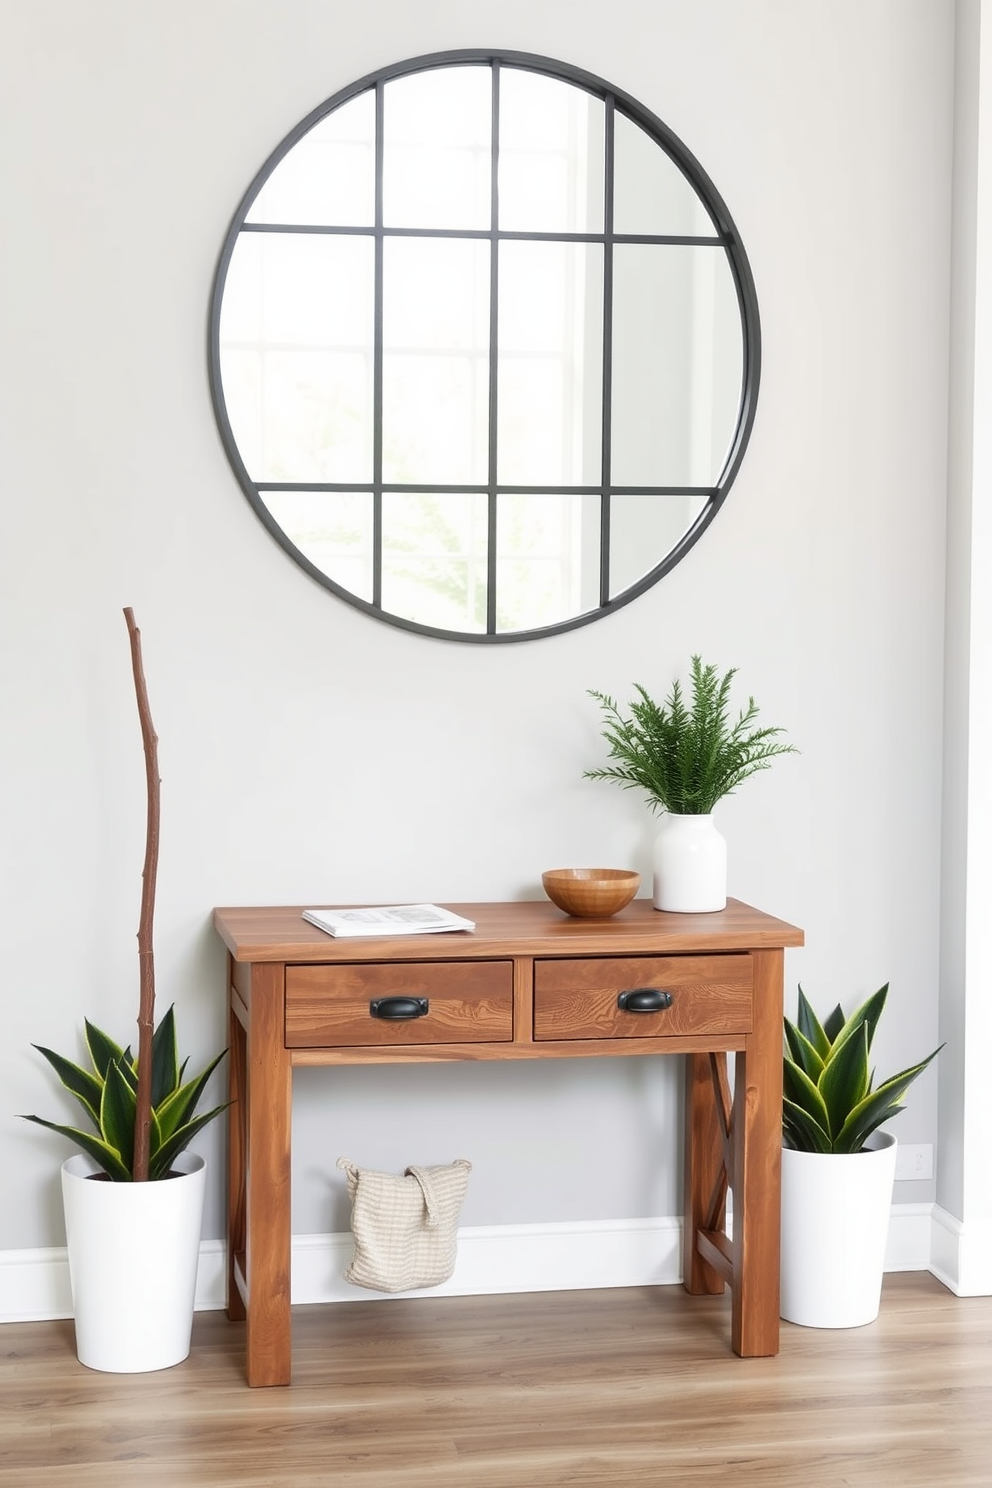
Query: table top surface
(521, 928)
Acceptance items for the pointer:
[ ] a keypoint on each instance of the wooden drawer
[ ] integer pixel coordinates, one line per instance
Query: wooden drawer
(578, 999)
(468, 1002)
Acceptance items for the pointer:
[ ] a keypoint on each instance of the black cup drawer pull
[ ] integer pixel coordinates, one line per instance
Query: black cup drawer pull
(396, 1009)
(644, 1000)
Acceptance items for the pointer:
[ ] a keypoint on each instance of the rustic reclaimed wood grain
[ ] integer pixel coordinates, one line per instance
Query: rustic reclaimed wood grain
(523, 928)
(577, 998)
(468, 1002)
(528, 983)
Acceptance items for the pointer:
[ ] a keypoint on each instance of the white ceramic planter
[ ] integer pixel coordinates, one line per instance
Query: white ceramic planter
(690, 865)
(835, 1222)
(133, 1252)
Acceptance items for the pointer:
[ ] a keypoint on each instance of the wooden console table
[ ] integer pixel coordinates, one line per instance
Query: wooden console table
(528, 983)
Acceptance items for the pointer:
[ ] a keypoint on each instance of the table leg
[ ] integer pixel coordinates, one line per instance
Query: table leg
(237, 1134)
(268, 1163)
(705, 1177)
(757, 1167)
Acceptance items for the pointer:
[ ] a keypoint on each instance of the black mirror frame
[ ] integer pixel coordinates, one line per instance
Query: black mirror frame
(725, 229)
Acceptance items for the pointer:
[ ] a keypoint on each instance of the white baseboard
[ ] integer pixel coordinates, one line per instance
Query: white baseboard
(575, 1255)
(961, 1256)
(34, 1284)
(570, 1256)
(909, 1243)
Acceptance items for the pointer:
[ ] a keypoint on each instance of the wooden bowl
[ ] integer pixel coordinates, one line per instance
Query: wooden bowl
(591, 893)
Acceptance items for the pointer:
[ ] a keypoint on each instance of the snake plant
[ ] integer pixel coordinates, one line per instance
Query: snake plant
(107, 1093)
(831, 1103)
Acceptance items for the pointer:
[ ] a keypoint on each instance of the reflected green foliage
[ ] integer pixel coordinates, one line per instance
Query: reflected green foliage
(426, 550)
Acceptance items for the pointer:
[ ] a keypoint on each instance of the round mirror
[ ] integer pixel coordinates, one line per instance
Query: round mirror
(484, 346)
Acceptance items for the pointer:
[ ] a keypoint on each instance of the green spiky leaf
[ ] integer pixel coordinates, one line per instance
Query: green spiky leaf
(835, 1108)
(803, 1052)
(165, 1059)
(94, 1147)
(162, 1159)
(108, 1095)
(178, 1108)
(801, 1090)
(811, 1028)
(103, 1050)
(867, 1015)
(117, 1114)
(843, 1083)
(79, 1082)
(878, 1106)
(801, 1131)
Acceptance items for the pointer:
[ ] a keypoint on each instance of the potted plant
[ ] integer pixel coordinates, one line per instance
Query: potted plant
(686, 756)
(838, 1167)
(133, 1197)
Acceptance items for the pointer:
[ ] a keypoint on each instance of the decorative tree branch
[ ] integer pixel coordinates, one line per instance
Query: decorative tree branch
(146, 957)
(142, 1109)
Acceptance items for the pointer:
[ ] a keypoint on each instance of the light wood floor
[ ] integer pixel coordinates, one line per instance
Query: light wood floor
(587, 1388)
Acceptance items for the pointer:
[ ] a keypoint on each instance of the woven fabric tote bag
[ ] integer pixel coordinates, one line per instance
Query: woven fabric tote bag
(405, 1227)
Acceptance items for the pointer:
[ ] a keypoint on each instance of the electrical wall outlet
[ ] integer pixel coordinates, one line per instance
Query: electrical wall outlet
(914, 1162)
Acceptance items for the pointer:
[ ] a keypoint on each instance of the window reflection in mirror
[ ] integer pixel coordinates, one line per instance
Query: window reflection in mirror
(484, 347)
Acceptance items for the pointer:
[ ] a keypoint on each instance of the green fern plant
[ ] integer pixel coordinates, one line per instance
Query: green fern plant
(686, 756)
(107, 1092)
(830, 1101)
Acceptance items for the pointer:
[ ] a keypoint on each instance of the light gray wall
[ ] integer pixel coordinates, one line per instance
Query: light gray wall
(963, 1189)
(310, 754)
(957, 637)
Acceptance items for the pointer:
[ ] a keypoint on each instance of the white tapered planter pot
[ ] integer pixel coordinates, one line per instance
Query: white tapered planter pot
(133, 1252)
(690, 865)
(835, 1222)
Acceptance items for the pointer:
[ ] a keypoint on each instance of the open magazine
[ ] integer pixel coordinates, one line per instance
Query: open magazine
(395, 919)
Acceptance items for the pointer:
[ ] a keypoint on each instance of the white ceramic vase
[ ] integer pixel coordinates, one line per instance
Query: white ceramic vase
(835, 1222)
(690, 865)
(133, 1253)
